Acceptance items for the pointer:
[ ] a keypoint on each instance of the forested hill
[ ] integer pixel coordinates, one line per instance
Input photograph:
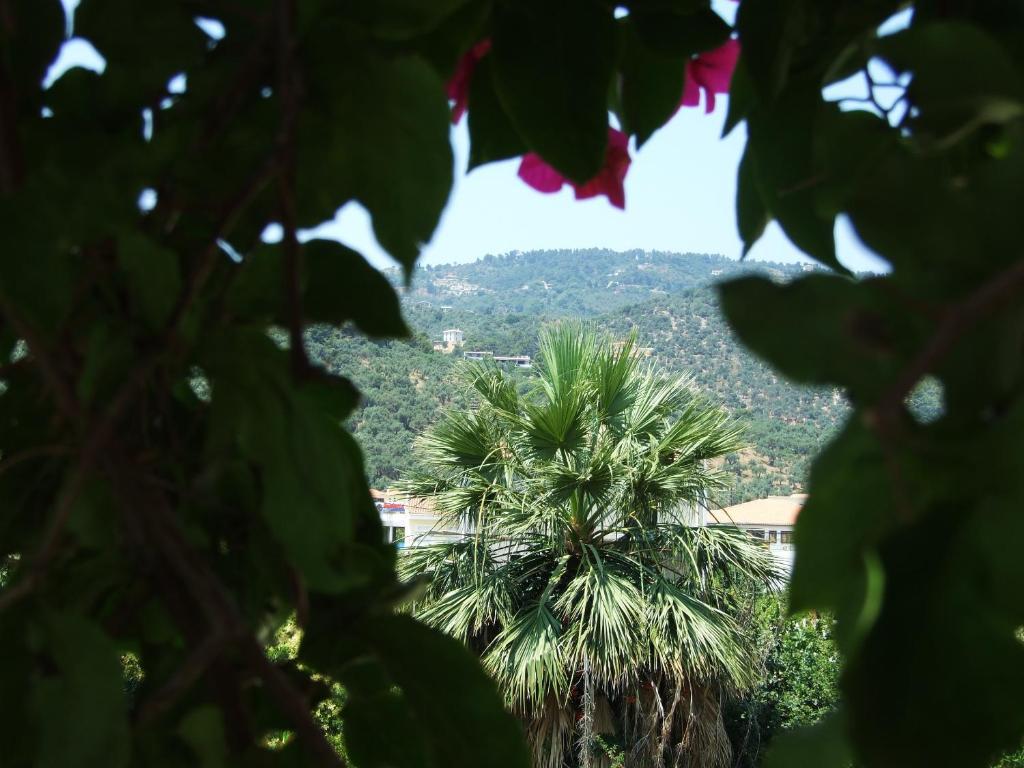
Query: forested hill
(501, 303)
(583, 282)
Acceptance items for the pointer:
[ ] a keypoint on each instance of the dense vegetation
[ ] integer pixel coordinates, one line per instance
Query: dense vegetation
(666, 299)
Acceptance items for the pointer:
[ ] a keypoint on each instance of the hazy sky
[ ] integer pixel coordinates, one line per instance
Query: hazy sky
(680, 196)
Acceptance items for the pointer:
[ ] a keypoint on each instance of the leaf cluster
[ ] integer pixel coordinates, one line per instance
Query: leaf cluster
(908, 535)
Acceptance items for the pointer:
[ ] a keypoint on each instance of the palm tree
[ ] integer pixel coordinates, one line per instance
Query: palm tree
(604, 613)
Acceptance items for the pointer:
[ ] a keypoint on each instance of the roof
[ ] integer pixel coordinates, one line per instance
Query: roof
(774, 510)
(414, 504)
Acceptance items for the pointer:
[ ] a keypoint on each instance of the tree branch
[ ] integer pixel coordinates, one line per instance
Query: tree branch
(287, 87)
(955, 322)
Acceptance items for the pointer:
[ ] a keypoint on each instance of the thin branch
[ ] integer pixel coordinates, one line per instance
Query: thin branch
(40, 451)
(194, 666)
(48, 369)
(147, 512)
(287, 86)
(956, 321)
(39, 564)
(12, 161)
(293, 705)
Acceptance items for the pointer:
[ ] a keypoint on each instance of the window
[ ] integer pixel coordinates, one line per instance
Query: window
(787, 537)
(757, 533)
(773, 537)
(398, 534)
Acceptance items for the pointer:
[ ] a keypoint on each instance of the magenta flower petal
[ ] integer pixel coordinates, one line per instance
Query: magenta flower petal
(609, 181)
(691, 91)
(458, 85)
(717, 66)
(539, 174)
(711, 72)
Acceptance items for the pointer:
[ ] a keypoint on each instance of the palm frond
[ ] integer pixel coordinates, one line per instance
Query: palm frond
(460, 441)
(566, 356)
(494, 387)
(604, 617)
(526, 659)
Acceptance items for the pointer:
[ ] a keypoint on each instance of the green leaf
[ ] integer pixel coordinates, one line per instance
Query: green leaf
(769, 30)
(16, 719)
(850, 492)
(652, 84)
(338, 285)
(341, 285)
(144, 45)
(399, 19)
(781, 140)
(381, 139)
(30, 36)
(203, 730)
(39, 284)
(952, 592)
(950, 99)
(742, 99)
(445, 45)
(751, 215)
(552, 68)
(152, 277)
(492, 136)
(375, 710)
(315, 498)
(679, 32)
(822, 745)
(79, 707)
(848, 149)
(452, 707)
(456, 702)
(856, 339)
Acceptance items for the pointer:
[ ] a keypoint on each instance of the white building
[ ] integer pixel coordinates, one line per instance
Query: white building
(771, 520)
(453, 336)
(519, 361)
(411, 522)
(414, 522)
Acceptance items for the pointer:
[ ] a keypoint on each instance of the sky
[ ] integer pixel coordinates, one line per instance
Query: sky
(680, 197)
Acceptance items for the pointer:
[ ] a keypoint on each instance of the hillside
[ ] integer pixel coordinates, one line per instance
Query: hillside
(582, 282)
(501, 303)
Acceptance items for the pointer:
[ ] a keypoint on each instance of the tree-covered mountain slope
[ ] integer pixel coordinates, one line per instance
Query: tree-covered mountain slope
(501, 303)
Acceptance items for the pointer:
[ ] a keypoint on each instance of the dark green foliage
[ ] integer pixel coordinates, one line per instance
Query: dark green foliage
(899, 536)
(798, 679)
(552, 67)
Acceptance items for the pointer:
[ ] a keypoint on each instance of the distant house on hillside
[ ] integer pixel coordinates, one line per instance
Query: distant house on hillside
(519, 361)
(770, 520)
(450, 339)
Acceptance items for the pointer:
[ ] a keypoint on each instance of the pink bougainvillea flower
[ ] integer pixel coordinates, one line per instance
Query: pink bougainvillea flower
(710, 72)
(608, 181)
(458, 86)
